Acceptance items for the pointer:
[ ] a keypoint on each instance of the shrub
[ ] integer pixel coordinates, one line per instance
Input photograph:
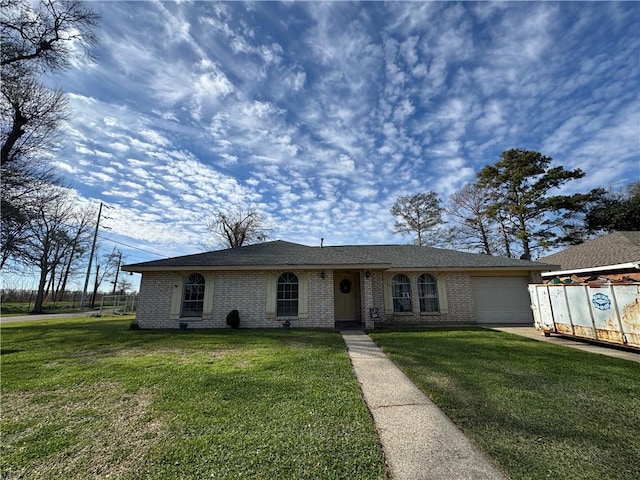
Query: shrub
(233, 319)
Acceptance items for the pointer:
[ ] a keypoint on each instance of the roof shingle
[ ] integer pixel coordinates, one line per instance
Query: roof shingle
(281, 253)
(613, 249)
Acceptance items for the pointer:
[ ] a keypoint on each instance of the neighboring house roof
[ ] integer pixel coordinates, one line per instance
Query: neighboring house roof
(285, 254)
(614, 250)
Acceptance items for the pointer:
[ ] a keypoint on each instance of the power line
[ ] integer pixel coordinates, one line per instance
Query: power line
(130, 246)
(103, 227)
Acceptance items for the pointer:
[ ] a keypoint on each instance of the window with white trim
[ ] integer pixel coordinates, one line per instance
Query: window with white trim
(193, 296)
(428, 293)
(287, 295)
(401, 293)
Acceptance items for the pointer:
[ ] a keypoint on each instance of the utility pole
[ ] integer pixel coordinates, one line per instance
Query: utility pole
(93, 249)
(117, 271)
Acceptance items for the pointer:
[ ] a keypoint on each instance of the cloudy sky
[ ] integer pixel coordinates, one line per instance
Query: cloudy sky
(321, 114)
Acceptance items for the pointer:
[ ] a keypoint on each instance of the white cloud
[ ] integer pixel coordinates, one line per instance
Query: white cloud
(323, 113)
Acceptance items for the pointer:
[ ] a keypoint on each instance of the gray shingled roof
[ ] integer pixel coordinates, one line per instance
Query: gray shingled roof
(613, 249)
(280, 253)
(261, 255)
(414, 256)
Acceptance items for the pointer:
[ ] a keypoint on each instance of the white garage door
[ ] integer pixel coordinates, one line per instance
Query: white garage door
(502, 300)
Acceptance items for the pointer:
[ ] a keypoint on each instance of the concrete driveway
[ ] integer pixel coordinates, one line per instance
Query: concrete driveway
(611, 351)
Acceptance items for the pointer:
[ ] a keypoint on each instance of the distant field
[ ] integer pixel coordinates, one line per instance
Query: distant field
(24, 308)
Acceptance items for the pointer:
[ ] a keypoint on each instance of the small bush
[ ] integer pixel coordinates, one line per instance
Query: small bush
(134, 325)
(233, 319)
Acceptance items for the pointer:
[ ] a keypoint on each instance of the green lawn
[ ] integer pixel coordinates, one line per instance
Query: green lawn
(541, 410)
(88, 398)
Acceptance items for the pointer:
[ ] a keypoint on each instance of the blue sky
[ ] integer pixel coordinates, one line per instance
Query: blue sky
(321, 114)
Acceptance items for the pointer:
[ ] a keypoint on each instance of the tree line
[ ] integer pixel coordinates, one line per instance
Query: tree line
(510, 210)
(41, 225)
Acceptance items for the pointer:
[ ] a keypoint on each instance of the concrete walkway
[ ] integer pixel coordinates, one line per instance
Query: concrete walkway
(585, 346)
(419, 441)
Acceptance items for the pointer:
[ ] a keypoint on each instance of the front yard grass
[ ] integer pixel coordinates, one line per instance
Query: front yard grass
(88, 398)
(540, 410)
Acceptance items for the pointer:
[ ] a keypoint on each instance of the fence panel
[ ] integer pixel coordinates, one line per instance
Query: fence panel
(118, 304)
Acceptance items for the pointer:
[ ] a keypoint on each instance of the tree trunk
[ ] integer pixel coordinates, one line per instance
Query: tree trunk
(51, 283)
(485, 239)
(37, 307)
(524, 238)
(67, 270)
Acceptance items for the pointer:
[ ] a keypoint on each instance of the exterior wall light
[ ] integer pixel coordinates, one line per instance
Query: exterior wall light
(367, 274)
(322, 275)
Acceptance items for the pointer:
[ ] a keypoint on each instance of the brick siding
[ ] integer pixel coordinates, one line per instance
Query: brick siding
(242, 291)
(246, 292)
(461, 309)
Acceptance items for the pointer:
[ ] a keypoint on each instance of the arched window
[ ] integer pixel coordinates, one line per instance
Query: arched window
(287, 295)
(428, 293)
(401, 293)
(193, 296)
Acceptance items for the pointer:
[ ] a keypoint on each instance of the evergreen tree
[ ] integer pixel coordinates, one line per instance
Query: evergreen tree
(520, 184)
(616, 211)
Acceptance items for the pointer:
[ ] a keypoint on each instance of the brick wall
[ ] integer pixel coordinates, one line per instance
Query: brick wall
(154, 301)
(247, 292)
(461, 309)
(321, 309)
(535, 277)
(242, 291)
(460, 298)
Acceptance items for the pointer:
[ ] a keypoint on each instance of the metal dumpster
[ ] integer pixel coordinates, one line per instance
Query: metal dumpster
(600, 312)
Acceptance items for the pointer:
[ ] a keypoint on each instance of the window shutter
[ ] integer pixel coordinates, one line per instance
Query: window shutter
(176, 297)
(207, 307)
(388, 299)
(271, 296)
(442, 294)
(303, 295)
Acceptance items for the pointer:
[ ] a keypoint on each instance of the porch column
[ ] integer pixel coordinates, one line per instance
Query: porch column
(366, 298)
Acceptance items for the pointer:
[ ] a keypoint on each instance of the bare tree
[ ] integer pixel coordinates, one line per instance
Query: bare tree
(51, 231)
(123, 286)
(30, 120)
(20, 203)
(110, 263)
(48, 35)
(239, 227)
(83, 220)
(35, 38)
(419, 214)
(473, 229)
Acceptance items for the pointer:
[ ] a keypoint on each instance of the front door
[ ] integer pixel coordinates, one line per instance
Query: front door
(346, 296)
